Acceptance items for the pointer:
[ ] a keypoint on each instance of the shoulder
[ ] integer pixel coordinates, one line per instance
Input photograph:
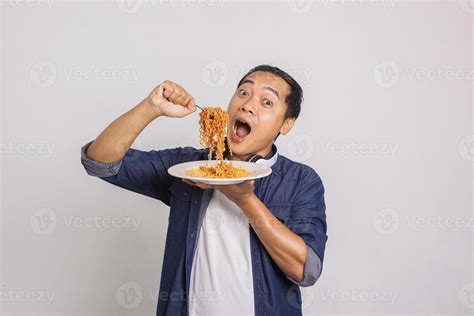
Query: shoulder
(291, 170)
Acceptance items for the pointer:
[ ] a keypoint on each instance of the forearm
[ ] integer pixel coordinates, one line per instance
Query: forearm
(114, 142)
(286, 248)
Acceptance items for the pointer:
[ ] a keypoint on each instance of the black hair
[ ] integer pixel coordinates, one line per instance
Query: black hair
(294, 99)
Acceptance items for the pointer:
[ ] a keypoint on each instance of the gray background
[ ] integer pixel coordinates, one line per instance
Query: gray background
(386, 122)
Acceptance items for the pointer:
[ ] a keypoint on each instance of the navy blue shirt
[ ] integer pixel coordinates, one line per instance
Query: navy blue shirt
(294, 193)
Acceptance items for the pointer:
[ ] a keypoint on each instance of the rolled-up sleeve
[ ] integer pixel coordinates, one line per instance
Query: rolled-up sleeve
(312, 269)
(143, 172)
(99, 169)
(308, 220)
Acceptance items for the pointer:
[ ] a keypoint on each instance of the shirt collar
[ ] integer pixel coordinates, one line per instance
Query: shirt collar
(269, 160)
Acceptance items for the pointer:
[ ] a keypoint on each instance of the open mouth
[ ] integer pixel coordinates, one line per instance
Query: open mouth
(240, 130)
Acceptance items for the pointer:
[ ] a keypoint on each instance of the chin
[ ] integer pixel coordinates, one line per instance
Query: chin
(239, 149)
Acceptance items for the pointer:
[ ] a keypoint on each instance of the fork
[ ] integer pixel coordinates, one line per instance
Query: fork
(198, 107)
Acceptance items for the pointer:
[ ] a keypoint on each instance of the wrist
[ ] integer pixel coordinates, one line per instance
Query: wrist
(148, 110)
(247, 200)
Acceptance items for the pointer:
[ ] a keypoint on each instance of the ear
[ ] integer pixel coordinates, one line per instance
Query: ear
(287, 125)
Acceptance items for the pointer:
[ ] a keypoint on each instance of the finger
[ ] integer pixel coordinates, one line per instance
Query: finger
(160, 90)
(203, 185)
(186, 101)
(188, 181)
(181, 99)
(168, 90)
(183, 93)
(192, 104)
(196, 184)
(174, 96)
(157, 94)
(164, 84)
(189, 104)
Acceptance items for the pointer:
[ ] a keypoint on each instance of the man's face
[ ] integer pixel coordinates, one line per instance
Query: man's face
(256, 113)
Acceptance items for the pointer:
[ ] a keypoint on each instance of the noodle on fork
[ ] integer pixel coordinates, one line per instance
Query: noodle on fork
(213, 129)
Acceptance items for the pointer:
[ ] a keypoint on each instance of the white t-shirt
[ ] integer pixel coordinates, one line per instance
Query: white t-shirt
(221, 275)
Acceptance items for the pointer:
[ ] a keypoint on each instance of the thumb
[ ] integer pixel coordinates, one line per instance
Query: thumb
(160, 91)
(192, 105)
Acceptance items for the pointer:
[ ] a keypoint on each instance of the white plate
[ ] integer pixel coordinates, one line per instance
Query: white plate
(258, 171)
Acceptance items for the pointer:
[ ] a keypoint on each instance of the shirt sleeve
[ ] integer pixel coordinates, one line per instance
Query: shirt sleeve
(312, 269)
(143, 172)
(308, 220)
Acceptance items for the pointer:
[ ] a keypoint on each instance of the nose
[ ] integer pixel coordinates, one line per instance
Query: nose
(247, 107)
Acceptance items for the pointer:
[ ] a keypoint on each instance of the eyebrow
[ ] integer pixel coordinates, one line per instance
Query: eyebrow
(266, 88)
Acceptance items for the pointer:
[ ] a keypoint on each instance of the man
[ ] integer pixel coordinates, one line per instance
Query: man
(242, 249)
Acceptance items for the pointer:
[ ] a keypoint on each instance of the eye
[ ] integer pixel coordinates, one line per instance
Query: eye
(267, 102)
(243, 92)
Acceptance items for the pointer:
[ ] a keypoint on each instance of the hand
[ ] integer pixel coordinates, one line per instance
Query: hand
(238, 193)
(171, 100)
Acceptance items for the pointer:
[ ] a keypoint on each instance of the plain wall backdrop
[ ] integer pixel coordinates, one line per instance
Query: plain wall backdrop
(386, 122)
